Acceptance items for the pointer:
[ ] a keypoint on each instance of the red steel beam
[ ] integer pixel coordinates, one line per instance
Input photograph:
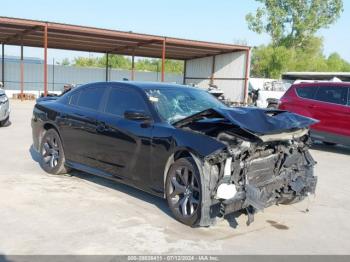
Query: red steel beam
(22, 73)
(163, 59)
(45, 59)
(247, 62)
(133, 67)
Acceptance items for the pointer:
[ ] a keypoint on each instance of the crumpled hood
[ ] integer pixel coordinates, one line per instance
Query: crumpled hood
(255, 120)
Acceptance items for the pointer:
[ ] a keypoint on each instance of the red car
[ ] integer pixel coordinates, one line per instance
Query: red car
(327, 102)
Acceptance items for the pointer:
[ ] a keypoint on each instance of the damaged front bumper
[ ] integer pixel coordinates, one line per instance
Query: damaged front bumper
(253, 176)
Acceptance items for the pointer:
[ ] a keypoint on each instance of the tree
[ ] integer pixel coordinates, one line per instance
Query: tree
(292, 22)
(337, 64)
(292, 25)
(65, 62)
(271, 61)
(115, 61)
(86, 62)
(122, 62)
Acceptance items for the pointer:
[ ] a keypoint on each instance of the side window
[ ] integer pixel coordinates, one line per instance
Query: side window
(306, 92)
(349, 96)
(333, 94)
(122, 99)
(91, 97)
(73, 99)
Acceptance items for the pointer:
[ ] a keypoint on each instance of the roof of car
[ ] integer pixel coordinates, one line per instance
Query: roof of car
(322, 84)
(146, 85)
(153, 85)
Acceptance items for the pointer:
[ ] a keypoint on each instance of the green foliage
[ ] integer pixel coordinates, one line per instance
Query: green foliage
(271, 61)
(65, 62)
(114, 61)
(122, 62)
(292, 25)
(292, 22)
(337, 64)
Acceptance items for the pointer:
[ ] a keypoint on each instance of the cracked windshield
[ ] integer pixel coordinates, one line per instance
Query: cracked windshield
(176, 104)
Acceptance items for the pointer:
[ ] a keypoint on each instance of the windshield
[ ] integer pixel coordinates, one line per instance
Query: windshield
(175, 104)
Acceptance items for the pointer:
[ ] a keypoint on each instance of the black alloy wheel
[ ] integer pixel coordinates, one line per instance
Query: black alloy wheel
(183, 191)
(52, 155)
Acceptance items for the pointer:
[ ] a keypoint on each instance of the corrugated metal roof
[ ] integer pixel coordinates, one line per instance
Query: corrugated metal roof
(15, 31)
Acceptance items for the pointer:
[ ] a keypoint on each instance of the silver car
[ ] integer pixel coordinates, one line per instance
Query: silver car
(4, 108)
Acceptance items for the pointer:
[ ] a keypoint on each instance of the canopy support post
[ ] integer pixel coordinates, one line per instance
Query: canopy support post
(45, 60)
(163, 59)
(107, 65)
(22, 72)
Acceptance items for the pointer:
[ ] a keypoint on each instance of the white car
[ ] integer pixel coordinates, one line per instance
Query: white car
(4, 108)
(265, 93)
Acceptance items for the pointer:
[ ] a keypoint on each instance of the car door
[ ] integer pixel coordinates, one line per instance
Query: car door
(125, 145)
(301, 103)
(78, 125)
(330, 108)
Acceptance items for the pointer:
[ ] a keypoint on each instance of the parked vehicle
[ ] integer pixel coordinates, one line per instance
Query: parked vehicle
(328, 102)
(180, 143)
(265, 93)
(4, 108)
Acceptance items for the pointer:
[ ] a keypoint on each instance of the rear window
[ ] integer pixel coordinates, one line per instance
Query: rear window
(73, 99)
(333, 94)
(90, 98)
(306, 92)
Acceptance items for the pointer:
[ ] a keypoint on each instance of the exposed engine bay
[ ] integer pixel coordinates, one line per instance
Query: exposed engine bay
(254, 171)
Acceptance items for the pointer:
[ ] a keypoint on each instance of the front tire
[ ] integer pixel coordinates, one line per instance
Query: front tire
(183, 191)
(52, 154)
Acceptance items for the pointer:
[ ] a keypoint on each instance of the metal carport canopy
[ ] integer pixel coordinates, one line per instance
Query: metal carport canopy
(35, 33)
(14, 31)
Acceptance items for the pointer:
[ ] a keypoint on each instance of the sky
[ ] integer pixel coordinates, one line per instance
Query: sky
(208, 20)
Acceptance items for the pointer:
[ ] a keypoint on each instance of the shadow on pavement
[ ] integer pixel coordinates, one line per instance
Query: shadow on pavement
(133, 192)
(136, 193)
(8, 123)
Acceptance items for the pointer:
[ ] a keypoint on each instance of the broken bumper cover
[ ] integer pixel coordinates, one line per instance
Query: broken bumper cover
(278, 178)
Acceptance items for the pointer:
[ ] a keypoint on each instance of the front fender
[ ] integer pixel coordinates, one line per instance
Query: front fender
(196, 143)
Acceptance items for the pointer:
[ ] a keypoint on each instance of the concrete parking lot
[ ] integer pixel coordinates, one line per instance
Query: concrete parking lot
(82, 214)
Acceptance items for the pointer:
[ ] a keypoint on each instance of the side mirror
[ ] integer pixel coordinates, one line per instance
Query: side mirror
(136, 115)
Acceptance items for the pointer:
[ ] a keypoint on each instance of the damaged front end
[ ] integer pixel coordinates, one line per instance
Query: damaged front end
(255, 170)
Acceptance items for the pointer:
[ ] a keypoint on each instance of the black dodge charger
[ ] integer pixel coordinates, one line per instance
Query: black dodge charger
(180, 143)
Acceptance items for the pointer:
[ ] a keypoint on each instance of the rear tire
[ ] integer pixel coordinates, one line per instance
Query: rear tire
(52, 158)
(183, 191)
